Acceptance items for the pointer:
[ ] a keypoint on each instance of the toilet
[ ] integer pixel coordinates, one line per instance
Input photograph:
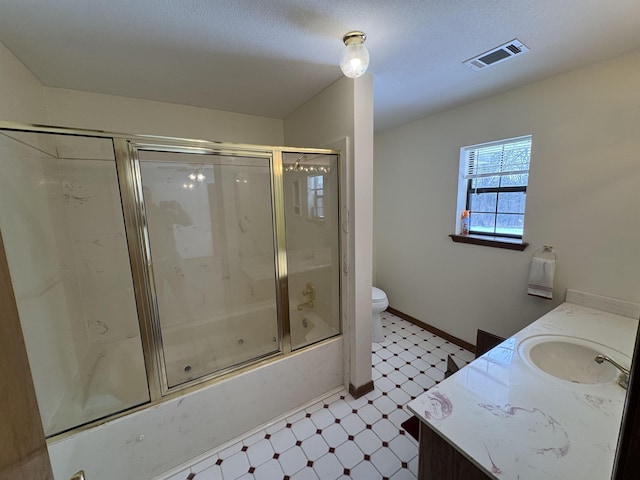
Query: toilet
(379, 304)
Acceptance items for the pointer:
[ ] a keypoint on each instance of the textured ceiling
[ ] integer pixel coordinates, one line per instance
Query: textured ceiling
(267, 57)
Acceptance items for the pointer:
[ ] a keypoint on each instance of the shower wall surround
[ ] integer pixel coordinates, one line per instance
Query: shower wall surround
(218, 287)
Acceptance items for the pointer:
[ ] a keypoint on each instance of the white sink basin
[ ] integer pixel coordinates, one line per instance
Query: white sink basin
(570, 359)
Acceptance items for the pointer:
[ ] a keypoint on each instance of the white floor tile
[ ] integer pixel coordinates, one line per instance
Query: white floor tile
(259, 452)
(385, 385)
(322, 418)
(385, 462)
(403, 448)
(398, 417)
(246, 476)
(368, 441)
(364, 471)
(306, 473)
(303, 429)
(340, 409)
(256, 437)
(384, 368)
(409, 370)
(314, 447)
(282, 440)
(229, 451)
(369, 414)
(293, 460)
(396, 377)
(211, 473)
(412, 388)
(328, 467)
(399, 396)
(396, 362)
(403, 474)
(234, 466)
(385, 430)
(349, 454)
(385, 404)
(407, 356)
(356, 402)
(334, 435)
(267, 471)
(352, 424)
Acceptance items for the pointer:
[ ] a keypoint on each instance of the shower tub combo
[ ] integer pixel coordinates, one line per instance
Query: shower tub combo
(145, 268)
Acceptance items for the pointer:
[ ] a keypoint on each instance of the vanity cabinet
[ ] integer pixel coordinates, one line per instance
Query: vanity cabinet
(509, 418)
(438, 460)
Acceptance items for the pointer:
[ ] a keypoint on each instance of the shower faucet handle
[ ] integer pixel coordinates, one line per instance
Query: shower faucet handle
(310, 291)
(78, 476)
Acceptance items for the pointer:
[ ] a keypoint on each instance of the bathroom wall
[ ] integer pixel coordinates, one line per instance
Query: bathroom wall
(583, 189)
(345, 109)
(21, 93)
(73, 108)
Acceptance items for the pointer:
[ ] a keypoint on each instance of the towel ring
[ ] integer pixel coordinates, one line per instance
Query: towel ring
(546, 251)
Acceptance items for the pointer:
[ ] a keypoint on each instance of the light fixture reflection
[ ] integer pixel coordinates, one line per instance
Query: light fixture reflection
(354, 59)
(197, 176)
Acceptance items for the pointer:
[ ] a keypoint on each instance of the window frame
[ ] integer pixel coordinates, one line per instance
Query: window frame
(467, 174)
(497, 190)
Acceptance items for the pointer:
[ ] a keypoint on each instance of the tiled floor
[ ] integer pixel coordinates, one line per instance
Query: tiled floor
(342, 437)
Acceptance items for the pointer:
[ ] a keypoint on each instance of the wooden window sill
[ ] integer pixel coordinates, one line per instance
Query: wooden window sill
(488, 241)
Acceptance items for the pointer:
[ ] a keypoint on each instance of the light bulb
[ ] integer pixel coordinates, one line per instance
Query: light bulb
(354, 59)
(192, 176)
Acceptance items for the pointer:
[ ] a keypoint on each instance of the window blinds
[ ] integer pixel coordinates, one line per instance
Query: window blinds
(507, 157)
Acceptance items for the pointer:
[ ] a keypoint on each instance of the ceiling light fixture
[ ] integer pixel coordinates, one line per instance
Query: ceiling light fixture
(354, 59)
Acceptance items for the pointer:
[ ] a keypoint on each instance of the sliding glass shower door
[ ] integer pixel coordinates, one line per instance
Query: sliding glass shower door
(64, 236)
(210, 233)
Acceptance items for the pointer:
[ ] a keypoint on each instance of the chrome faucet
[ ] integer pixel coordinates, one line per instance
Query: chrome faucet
(309, 291)
(623, 378)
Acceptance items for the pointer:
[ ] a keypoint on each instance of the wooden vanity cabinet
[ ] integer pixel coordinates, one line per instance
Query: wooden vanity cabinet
(438, 460)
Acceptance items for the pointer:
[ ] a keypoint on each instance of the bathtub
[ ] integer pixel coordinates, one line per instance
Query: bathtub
(192, 350)
(112, 378)
(208, 346)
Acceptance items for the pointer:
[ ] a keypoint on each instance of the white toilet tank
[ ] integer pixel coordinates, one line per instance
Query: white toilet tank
(378, 299)
(379, 303)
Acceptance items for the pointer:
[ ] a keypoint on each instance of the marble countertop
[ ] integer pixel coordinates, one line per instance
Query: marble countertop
(515, 422)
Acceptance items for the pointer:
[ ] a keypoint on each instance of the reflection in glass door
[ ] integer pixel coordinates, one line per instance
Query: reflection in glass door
(211, 238)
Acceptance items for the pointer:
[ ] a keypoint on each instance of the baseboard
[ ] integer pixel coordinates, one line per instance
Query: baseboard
(450, 338)
(361, 390)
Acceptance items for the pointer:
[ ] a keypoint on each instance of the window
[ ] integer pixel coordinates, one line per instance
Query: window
(493, 186)
(315, 199)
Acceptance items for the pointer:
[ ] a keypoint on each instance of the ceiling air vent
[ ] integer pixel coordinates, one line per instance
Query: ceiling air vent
(497, 55)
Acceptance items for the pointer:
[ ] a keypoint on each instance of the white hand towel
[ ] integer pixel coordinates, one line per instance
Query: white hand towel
(541, 277)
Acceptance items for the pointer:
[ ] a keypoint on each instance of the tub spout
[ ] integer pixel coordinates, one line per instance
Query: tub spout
(304, 305)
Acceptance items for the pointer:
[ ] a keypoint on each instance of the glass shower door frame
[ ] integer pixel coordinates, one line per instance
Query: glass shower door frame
(128, 161)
